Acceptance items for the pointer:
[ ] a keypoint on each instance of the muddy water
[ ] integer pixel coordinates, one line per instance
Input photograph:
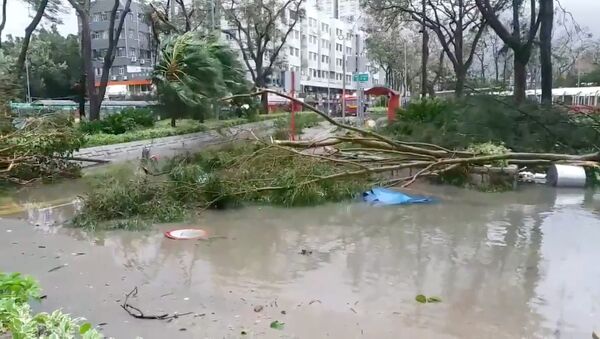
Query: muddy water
(512, 265)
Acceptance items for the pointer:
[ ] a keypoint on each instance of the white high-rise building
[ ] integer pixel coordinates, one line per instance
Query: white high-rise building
(315, 51)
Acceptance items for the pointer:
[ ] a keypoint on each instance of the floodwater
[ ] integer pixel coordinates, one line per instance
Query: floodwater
(506, 265)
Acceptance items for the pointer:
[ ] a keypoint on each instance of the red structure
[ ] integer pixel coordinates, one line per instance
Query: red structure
(393, 96)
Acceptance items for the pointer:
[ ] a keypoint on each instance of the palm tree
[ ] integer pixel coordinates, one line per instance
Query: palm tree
(192, 72)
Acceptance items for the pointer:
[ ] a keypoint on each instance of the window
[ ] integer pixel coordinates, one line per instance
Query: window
(293, 14)
(121, 51)
(98, 71)
(325, 59)
(297, 52)
(339, 62)
(132, 53)
(312, 39)
(348, 78)
(348, 50)
(348, 36)
(315, 73)
(96, 35)
(339, 32)
(296, 34)
(130, 16)
(338, 47)
(96, 17)
(131, 34)
(324, 43)
(291, 50)
(95, 54)
(312, 22)
(121, 70)
(318, 73)
(140, 16)
(324, 27)
(104, 16)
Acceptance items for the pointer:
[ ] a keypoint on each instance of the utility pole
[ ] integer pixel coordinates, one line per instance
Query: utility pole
(344, 79)
(359, 91)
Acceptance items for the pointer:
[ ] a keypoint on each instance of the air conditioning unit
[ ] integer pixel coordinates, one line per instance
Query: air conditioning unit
(124, 77)
(133, 59)
(114, 77)
(142, 61)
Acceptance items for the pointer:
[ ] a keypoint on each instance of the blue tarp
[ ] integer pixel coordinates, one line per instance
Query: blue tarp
(386, 196)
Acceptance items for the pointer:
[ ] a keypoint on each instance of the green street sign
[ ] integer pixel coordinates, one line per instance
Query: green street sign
(360, 77)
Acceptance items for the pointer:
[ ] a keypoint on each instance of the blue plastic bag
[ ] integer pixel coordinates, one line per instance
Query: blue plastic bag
(386, 196)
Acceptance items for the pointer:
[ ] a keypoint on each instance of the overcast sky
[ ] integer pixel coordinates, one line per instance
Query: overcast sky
(585, 12)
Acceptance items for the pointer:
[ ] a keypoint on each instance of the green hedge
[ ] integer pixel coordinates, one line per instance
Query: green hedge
(163, 129)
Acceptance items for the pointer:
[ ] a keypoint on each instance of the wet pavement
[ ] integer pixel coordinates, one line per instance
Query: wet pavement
(506, 265)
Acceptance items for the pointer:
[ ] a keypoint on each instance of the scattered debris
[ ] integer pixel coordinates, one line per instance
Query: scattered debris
(166, 294)
(283, 312)
(186, 234)
(41, 246)
(305, 252)
(77, 253)
(258, 308)
(277, 325)
(102, 324)
(353, 310)
(315, 301)
(137, 313)
(243, 333)
(199, 315)
(58, 267)
(183, 329)
(423, 299)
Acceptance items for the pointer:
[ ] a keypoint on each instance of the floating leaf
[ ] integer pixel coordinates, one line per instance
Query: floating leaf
(434, 299)
(421, 298)
(277, 325)
(84, 328)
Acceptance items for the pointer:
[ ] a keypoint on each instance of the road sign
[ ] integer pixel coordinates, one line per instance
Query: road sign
(360, 77)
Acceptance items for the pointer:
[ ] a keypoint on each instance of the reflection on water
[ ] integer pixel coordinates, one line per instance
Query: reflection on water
(517, 264)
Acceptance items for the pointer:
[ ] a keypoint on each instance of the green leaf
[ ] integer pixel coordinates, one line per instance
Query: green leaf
(434, 299)
(421, 298)
(84, 328)
(277, 325)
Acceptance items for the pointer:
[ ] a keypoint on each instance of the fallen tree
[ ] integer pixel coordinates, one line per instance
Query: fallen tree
(40, 148)
(371, 152)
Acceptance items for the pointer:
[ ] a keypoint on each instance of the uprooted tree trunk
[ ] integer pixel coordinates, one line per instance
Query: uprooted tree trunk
(372, 153)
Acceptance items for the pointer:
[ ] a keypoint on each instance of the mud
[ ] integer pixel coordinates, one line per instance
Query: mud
(511, 265)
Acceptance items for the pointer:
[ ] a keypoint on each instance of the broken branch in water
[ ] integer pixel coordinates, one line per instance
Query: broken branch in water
(376, 153)
(138, 314)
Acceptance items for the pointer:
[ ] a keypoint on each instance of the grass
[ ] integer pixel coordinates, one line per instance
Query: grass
(163, 129)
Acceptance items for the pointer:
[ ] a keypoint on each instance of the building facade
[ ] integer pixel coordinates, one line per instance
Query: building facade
(315, 51)
(130, 74)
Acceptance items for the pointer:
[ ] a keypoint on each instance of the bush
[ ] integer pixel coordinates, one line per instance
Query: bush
(17, 320)
(482, 119)
(119, 123)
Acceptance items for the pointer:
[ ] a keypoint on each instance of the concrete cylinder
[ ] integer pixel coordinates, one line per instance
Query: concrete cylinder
(566, 176)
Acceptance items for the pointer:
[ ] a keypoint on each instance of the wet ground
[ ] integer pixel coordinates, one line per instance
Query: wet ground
(508, 265)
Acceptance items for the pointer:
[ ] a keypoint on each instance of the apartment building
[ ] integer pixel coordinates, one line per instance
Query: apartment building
(130, 74)
(315, 51)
